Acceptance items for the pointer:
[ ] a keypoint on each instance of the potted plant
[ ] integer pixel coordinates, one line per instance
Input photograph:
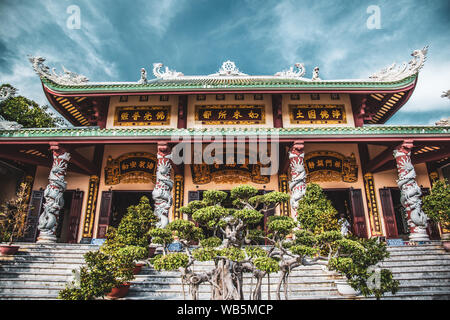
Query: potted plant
(110, 270)
(436, 206)
(13, 215)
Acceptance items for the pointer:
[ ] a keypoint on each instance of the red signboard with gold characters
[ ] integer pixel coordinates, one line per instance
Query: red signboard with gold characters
(317, 114)
(230, 114)
(142, 116)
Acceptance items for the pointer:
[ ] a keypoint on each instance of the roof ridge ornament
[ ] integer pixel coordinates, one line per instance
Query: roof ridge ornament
(291, 74)
(65, 78)
(229, 68)
(143, 79)
(6, 93)
(315, 76)
(167, 74)
(394, 73)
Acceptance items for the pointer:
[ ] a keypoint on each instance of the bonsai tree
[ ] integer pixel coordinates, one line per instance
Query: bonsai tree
(113, 264)
(436, 205)
(316, 241)
(13, 216)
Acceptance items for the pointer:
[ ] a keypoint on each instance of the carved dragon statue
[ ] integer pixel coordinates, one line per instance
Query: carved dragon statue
(297, 185)
(162, 193)
(167, 74)
(394, 73)
(53, 195)
(66, 78)
(410, 191)
(291, 73)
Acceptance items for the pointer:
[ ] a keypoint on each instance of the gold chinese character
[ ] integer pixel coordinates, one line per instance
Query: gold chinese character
(150, 165)
(320, 163)
(299, 115)
(133, 164)
(148, 116)
(336, 114)
(136, 115)
(222, 114)
(141, 164)
(328, 163)
(237, 114)
(124, 116)
(337, 164)
(324, 114)
(311, 164)
(160, 115)
(124, 166)
(207, 114)
(312, 114)
(253, 115)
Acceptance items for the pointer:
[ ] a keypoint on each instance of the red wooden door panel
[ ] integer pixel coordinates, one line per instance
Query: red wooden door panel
(74, 216)
(387, 207)
(105, 214)
(359, 217)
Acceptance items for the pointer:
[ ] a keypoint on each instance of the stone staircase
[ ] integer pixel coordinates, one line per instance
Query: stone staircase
(39, 271)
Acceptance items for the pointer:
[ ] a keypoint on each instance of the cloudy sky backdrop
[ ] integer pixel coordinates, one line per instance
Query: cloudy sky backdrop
(118, 37)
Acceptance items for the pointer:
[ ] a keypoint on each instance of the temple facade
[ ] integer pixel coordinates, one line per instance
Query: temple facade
(172, 136)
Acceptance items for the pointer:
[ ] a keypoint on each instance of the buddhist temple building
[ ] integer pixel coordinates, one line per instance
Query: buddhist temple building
(172, 136)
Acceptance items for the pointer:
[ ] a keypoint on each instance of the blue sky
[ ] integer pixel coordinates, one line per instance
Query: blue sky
(117, 37)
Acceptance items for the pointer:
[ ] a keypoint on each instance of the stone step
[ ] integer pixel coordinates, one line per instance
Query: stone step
(438, 257)
(36, 277)
(439, 274)
(27, 296)
(408, 263)
(38, 259)
(415, 295)
(37, 290)
(417, 252)
(19, 283)
(57, 253)
(33, 269)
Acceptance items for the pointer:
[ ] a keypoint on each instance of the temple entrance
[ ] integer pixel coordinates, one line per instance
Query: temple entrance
(122, 200)
(198, 195)
(69, 217)
(349, 205)
(114, 205)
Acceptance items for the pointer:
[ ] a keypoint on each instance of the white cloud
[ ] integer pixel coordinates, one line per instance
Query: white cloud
(158, 14)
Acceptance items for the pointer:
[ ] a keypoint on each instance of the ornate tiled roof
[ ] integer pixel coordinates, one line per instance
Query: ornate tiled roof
(303, 132)
(230, 78)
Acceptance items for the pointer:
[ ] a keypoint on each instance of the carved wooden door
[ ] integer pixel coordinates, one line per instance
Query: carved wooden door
(387, 206)
(359, 217)
(74, 216)
(105, 214)
(34, 211)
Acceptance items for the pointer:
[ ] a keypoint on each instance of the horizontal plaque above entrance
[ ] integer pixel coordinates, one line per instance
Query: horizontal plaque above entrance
(317, 114)
(325, 166)
(135, 167)
(230, 114)
(142, 116)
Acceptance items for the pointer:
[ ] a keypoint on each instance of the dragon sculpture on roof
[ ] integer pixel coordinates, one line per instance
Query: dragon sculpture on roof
(65, 78)
(394, 72)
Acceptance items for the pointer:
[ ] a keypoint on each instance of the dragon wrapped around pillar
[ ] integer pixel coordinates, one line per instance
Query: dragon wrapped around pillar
(410, 193)
(53, 195)
(297, 184)
(162, 193)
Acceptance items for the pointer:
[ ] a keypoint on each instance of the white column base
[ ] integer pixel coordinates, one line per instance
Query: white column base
(46, 238)
(419, 234)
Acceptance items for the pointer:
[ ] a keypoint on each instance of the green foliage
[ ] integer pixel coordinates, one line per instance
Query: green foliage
(161, 236)
(270, 199)
(248, 216)
(356, 263)
(244, 192)
(315, 212)
(303, 250)
(192, 207)
(211, 242)
(185, 230)
(304, 237)
(28, 113)
(214, 197)
(171, 261)
(13, 215)
(436, 205)
(205, 254)
(254, 252)
(281, 226)
(235, 254)
(211, 216)
(266, 264)
(113, 264)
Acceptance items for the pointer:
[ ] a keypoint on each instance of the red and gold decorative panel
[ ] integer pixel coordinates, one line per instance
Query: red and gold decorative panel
(230, 114)
(142, 116)
(317, 114)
